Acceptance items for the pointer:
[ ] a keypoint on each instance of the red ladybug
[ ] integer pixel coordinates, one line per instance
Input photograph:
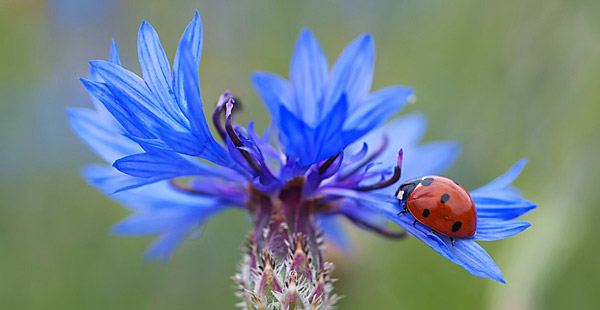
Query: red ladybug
(440, 204)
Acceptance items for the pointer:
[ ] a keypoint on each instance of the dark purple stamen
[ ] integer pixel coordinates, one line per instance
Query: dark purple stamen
(216, 117)
(379, 230)
(388, 182)
(382, 184)
(328, 163)
(237, 141)
(375, 154)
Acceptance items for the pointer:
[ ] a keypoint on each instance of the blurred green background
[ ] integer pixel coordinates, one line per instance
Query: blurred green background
(508, 79)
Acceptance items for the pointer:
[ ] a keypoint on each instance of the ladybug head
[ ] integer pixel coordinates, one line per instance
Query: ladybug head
(406, 189)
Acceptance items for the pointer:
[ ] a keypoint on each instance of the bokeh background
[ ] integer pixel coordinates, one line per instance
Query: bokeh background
(508, 79)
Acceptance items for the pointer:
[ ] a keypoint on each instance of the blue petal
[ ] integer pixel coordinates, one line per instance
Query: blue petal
(501, 209)
(125, 83)
(209, 149)
(102, 93)
(499, 200)
(93, 76)
(102, 137)
(506, 195)
(308, 74)
(504, 180)
(276, 93)
(165, 165)
(157, 71)
(162, 210)
(229, 191)
(192, 41)
(378, 107)
(114, 53)
(328, 137)
(295, 135)
(98, 106)
(142, 122)
(151, 222)
(469, 255)
(109, 180)
(352, 73)
(489, 230)
(159, 209)
(311, 145)
(158, 196)
(374, 111)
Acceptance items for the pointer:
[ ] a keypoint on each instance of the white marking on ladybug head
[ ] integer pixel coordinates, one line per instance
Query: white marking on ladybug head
(400, 195)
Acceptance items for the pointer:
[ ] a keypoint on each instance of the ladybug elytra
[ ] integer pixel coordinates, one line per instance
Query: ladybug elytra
(440, 204)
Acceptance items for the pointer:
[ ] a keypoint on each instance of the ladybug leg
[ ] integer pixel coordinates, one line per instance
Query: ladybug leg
(404, 211)
(415, 222)
(452, 241)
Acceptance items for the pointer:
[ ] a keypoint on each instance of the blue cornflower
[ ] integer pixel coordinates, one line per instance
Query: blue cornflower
(328, 157)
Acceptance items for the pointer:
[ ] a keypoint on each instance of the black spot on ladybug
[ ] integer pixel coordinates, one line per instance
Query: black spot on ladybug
(427, 181)
(445, 197)
(426, 213)
(456, 226)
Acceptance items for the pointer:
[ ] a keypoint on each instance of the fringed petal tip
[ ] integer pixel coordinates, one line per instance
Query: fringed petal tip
(499, 201)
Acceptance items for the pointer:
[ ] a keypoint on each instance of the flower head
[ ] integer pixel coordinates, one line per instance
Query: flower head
(331, 160)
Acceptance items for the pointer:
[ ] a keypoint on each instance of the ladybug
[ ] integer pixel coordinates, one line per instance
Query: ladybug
(440, 204)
